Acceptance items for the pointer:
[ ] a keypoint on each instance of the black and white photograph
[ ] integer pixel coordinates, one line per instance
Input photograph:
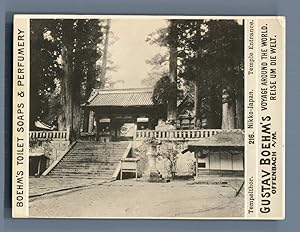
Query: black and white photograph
(136, 118)
(148, 117)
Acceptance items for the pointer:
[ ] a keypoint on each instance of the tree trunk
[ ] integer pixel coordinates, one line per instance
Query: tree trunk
(61, 122)
(172, 102)
(239, 101)
(91, 121)
(86, 115)
(67, 82)
(77, 77)
(228, 110)
(90, 84)
(105, 52)
(213, 117)
(67, 92)
(76, 112)
(197, 106)
(91, 78)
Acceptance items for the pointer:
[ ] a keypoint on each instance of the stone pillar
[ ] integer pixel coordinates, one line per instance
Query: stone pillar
(228, 112)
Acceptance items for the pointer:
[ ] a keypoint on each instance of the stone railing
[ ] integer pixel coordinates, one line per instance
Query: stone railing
(175, 134)
(51, 135)
(124, 156)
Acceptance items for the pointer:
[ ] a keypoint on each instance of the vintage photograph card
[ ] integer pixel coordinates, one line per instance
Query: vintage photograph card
(148, 117)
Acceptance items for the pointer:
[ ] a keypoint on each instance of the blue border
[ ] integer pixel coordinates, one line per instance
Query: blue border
(289, 8)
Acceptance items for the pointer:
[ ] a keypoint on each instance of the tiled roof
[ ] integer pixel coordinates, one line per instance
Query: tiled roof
(229, 138)
(122, 97)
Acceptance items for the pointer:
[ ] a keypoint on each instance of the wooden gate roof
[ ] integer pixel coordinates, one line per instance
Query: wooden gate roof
(121, 97)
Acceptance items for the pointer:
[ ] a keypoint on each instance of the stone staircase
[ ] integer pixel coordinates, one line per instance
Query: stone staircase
(90, 159)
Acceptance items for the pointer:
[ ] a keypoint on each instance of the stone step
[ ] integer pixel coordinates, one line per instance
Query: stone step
(99, 164)
(112, 151)
(101, 154)
(87, 166)
(102, 177)
(82, 173)
(91, 159)
(79, 177)
(95, 146)
(99, 159)
(93, 156)
(99, 151)
(220, 173)
(99, 142)
(87, 175)
(83, 170)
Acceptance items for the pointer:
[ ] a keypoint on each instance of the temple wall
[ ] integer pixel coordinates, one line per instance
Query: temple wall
(52, 149)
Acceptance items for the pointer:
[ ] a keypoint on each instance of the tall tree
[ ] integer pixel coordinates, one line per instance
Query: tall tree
(225, 37)
(167, 37)
(45, 71)
(75, 50)
(105, 49)
(210, 55)
(172, 101)
(213, 58)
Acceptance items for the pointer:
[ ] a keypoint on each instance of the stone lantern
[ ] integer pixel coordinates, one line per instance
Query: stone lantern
(154, 174)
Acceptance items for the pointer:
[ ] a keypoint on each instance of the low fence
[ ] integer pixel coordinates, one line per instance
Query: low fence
(51, 135)
(176, 134)
(140, 134)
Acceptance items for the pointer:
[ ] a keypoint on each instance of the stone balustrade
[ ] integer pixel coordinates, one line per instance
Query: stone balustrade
(49, 135)
(175, 134)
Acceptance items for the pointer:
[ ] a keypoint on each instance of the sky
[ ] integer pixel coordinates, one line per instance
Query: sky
(129, 50)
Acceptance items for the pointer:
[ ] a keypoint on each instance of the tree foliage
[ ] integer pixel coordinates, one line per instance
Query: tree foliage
(159, 63)
(210, 56)
(44, 70)
(163, 91)
(63, 51)
(214, 62)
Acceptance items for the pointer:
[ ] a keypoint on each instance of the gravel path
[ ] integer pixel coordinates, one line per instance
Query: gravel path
(46, 185)
(131, 198)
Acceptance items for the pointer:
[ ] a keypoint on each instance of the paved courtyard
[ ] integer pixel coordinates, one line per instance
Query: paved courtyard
(130, 198)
